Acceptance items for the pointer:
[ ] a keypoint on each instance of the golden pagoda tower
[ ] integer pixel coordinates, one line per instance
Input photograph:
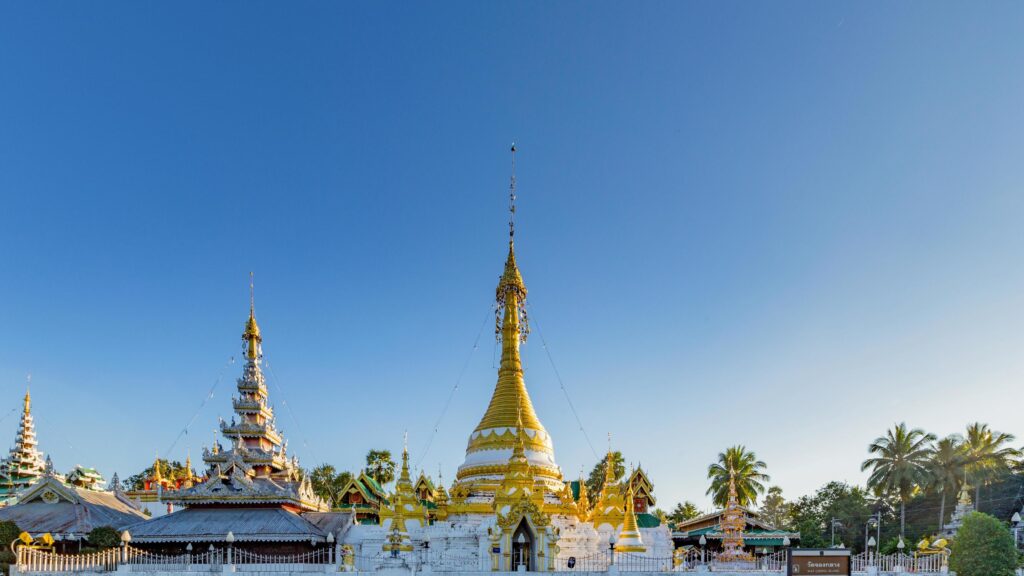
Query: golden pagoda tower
(629, 538)
(610, 505)
(510, 418)
(583, 502)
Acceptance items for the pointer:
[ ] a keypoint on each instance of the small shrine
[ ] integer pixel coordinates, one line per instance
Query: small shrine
(87, 478)
(964, 506)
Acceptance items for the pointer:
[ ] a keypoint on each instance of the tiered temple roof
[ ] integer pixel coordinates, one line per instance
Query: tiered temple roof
(25, 463)
(256, 470)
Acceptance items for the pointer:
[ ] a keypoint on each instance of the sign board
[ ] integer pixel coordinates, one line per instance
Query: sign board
(815, 562)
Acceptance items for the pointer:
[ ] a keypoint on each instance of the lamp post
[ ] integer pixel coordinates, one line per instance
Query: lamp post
(835, 522)
(330, 548)
(126, 537)
(703, 542)
(611, 548)
(1016, 528)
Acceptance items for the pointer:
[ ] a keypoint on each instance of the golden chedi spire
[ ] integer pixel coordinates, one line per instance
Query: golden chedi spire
(497, 435)
(629, 539)
(610, 505)
(583, 502)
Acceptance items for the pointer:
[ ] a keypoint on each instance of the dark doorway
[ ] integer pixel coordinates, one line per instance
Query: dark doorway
(522, 547)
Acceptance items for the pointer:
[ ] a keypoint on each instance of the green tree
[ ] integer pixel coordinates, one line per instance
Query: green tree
(988, 455)
(380, 466)
(900, 464)
(983, 547)
(104, 537)
(684, 511)
(595, 482)
(775, 510)
(8, 532)
(812, 515)
(327, 483)
(945, 470)
(750, 476)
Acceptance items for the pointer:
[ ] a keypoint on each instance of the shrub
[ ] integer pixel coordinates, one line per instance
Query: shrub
(104, 537)
(983, 547)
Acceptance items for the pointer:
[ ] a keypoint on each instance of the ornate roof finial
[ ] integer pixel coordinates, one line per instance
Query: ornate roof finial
(28, 393)
(251, 336)
(512, 199)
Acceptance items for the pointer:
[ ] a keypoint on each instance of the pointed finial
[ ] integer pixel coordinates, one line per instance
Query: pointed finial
(28, 393)
(252, 294)
(512, 198)
(405, 441)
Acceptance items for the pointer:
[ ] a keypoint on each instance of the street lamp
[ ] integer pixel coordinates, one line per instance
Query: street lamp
(835, 522)
(611, 547)
(703, 543)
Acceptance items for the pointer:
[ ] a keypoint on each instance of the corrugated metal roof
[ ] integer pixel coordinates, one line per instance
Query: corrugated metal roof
(200, 524)
(73, 510)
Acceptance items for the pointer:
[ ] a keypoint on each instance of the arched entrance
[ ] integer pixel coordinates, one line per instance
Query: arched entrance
(522, 547)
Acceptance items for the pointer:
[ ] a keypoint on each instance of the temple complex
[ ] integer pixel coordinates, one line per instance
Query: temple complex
(510, 508)
(25, 464)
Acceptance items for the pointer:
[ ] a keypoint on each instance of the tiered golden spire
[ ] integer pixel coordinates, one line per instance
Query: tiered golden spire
(629, 538)
(510, 418)
(583, 502)
(510, 399)
(609, 508)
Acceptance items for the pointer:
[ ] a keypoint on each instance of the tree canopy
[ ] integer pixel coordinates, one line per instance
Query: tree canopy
(380, 466)
(900, 464)
(983, 547)
(750, 476)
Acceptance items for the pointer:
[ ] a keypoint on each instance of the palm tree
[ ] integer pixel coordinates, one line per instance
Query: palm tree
(750, 477)
(900, 464)
(988, 454)
(946, 468)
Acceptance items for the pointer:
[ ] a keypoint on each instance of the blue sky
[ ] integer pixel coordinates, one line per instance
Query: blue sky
(786, 225)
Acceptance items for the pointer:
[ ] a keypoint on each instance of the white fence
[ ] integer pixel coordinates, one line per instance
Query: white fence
(32, 561)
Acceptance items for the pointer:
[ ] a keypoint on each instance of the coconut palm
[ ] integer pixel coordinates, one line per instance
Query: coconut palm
(946, 469)
(750, 477)
(900, 464)
(988, 455)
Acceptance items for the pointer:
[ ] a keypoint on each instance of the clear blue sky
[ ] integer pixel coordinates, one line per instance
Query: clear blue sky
(787, 225)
